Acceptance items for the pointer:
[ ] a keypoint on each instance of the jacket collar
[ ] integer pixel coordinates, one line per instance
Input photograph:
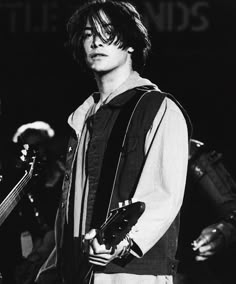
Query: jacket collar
(133, 81)
(117, 98)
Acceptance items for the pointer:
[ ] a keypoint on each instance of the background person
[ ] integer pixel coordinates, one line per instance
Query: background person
(206, 248)
(38, 208)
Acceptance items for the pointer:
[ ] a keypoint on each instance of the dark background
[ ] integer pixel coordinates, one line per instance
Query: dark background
(193, 57)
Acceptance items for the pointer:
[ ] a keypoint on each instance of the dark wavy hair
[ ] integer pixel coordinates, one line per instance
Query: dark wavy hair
(126, 29)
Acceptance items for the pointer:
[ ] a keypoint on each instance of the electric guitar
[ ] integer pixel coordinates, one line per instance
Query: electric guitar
(111, 233)
(11, 200)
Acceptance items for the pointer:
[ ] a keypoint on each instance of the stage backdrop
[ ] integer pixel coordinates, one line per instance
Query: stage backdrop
(192, 57)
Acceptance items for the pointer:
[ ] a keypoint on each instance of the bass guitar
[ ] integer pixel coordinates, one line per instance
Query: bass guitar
(11, 200)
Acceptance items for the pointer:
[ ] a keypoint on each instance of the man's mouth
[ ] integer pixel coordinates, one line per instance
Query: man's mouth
(96, 55)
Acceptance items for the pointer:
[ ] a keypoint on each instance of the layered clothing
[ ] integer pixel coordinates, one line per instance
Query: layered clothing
(152, 169)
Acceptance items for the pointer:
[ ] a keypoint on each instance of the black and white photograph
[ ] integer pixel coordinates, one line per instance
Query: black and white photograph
(117, 146)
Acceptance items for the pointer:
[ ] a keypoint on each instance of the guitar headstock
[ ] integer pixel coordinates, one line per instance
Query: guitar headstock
(119, 224)
(30, 160)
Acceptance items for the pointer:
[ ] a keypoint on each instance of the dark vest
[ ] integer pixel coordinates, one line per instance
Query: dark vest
(160, 260)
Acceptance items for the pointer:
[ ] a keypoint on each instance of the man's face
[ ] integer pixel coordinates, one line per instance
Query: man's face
(103, 57)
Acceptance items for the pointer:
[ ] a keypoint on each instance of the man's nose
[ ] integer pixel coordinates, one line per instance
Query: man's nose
(96, 41)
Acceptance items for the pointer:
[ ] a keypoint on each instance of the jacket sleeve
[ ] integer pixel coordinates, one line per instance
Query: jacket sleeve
(162, 181)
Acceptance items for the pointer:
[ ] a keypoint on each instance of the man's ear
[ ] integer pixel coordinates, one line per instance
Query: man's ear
(130, 50)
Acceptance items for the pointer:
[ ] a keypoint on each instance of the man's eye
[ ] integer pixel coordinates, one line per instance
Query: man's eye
(87, 35)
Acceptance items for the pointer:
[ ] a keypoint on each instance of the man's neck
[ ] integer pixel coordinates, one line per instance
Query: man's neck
(109, 82)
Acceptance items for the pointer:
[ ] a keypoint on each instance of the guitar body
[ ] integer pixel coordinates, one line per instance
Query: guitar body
(111, 233)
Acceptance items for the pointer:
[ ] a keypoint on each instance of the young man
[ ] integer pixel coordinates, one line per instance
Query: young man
(109, 39)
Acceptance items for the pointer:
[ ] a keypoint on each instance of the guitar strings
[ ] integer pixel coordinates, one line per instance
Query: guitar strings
(13, 197)
(14, 192)
(10, 204)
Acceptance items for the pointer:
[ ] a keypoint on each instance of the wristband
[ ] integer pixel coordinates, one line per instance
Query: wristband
(126, 250)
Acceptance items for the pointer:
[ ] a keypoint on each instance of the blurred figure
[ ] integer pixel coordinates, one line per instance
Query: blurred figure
(210, 198)
(39, 208)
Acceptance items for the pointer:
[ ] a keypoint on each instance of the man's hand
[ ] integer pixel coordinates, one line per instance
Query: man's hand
(98, 254)
(210, 241)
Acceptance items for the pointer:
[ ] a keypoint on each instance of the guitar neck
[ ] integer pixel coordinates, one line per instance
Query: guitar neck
(12, 199)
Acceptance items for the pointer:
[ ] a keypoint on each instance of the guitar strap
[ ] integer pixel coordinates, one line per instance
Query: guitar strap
(112, 157)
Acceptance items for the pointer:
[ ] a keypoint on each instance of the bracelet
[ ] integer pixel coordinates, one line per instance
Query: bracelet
(126, 250)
